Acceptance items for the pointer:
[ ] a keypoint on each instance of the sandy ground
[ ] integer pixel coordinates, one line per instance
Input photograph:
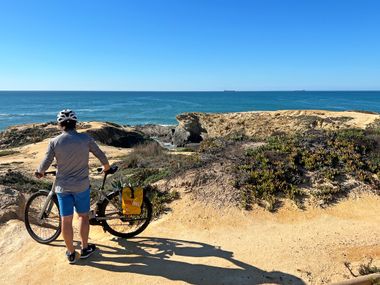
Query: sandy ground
(199, 244)
(195, 244)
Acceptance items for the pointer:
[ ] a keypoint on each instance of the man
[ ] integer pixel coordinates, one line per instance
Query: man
(71, 150)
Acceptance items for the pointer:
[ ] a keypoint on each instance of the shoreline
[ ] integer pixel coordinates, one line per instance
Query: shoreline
(204, 113)
(197, 126)
(162, 107)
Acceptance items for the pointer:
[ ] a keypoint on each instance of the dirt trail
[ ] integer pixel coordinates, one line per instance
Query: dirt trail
(201, 245)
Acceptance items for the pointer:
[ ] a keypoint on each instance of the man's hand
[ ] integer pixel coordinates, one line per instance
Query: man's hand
(38, 174)
(106, 167)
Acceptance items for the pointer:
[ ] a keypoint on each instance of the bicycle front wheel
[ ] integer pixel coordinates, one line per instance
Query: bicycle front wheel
(125, 226)
(42, 227)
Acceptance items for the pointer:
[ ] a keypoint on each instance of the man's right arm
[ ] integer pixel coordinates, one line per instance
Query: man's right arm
(49, 157)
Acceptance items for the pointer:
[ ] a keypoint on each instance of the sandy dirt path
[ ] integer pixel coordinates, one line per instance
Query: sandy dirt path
(201, 245)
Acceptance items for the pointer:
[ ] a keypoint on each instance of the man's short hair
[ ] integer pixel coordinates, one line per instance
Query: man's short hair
(68, 125)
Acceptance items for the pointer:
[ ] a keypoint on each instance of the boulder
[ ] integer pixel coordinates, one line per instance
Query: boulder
(12, 204)
(117, 136)
(189, 130)
(180, 137)
(162, 133)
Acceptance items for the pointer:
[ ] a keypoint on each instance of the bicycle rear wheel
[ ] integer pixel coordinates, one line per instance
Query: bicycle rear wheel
(43, 229)
(125, 226)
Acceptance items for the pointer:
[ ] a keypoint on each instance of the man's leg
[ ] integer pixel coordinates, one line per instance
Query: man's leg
(84, 228)
(82, 206)
(66, 209)
(67, 232)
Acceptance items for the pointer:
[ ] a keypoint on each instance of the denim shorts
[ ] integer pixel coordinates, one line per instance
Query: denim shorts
(68, 200)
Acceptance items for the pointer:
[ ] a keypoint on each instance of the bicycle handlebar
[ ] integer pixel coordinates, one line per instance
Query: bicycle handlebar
(112, 170)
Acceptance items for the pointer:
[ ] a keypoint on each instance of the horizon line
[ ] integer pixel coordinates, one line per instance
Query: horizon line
(226, 90)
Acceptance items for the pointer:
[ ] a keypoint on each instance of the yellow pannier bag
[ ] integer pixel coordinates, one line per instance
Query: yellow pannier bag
(132, 200)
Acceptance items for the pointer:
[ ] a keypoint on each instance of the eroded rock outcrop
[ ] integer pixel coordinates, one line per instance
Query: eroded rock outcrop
(162, 133)
(189, 129)
(106, 133)
(26, 134)
(194, 127)
(12, 204)
(118, 136)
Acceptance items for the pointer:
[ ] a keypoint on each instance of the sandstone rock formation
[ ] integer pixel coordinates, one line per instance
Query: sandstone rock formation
(106, 133)
(117, 136)
(11, 204)
(194, 127)
(189, 130)
(162, 133)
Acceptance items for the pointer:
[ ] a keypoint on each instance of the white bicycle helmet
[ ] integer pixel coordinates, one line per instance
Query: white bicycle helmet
(65, 115)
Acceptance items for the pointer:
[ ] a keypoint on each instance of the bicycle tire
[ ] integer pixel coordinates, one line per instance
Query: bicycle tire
(28, 217)
(147, 207)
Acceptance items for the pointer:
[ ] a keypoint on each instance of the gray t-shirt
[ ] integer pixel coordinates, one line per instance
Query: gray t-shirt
(71, 150)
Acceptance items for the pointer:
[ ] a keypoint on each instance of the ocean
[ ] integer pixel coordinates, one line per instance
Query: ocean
(135, 108)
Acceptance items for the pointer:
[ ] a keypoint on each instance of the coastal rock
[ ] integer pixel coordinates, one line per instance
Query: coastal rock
(21, 135)
(117, 136)
(12, 204)
(194, 127)
(26, 134)
(162, 133)
(189, 130)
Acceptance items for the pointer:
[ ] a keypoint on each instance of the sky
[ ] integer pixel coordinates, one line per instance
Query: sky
(189, 45)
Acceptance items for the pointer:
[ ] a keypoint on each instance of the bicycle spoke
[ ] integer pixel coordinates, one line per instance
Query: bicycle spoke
(123, 223)
(46, 227)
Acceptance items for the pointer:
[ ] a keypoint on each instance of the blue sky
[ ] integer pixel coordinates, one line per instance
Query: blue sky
(189, 45)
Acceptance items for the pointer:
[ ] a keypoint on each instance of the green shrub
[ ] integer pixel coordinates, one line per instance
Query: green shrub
(160, 199)
(19, 181)
(278, 168)
(152, 155)
(212, 145)
(7, 152)
(364, 269)
(146, 176)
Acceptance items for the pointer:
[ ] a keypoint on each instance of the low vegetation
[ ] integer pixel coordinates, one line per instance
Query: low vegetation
(7, 152)
(286, 165)
(22, 182)
(316, 166)
(149, 163)
(160, 199)
(365, 268)
(15, 137)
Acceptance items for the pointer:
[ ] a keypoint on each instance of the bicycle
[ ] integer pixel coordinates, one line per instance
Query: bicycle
(43, 221)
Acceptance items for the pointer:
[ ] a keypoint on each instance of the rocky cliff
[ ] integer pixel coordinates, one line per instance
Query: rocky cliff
(194, 127)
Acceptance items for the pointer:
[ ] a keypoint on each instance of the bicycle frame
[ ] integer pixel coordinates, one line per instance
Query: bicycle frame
(47, 207)
(42, 214)
(48, 203)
